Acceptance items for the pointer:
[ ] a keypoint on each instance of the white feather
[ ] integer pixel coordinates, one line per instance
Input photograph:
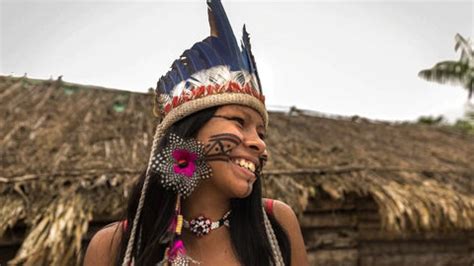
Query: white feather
(218, 75)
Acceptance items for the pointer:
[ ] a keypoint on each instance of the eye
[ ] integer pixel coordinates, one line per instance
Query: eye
(239, 120)
(262, 136)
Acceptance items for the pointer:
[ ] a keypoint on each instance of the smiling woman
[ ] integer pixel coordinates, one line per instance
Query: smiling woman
(235, 149)
(200, 199)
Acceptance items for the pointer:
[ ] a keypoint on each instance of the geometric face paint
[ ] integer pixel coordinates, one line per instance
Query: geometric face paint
(220, 146)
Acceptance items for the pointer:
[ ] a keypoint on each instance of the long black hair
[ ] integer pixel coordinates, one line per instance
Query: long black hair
(247, 230)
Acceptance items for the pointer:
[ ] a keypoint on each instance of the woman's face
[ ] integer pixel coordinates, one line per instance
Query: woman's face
(234, 147)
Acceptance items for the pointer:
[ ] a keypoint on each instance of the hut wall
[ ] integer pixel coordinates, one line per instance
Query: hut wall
(349, 233)
(10, 242)
(380, 248)
(330, 231)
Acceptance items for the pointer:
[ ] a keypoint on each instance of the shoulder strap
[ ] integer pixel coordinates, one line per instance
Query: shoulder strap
(268, 204)
(124, 225)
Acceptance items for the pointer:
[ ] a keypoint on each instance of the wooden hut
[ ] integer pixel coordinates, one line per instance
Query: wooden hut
(366, 192)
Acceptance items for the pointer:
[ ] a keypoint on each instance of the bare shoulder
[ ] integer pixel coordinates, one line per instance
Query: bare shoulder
(103, 247)
(285, 215)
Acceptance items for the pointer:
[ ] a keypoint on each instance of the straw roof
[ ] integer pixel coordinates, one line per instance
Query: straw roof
(69, 154)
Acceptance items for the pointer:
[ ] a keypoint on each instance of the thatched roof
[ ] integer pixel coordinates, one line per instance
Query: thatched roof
(70, 152)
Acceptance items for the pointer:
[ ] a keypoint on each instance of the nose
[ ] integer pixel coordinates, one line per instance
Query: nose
(255, 143)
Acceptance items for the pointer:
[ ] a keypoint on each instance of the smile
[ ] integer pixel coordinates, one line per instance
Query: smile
(245, 164)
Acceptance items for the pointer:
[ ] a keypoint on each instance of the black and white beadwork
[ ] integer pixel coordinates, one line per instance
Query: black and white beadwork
(202, 225)
(181, 165)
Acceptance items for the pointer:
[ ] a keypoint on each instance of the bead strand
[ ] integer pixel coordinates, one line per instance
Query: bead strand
(273, 241)
(128, 252)
(127, 260)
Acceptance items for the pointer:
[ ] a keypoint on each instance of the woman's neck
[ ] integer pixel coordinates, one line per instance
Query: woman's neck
(206, 201)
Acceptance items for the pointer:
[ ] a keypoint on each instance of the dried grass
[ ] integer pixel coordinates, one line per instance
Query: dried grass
(11, 210)
(413, 205)
(56, 233)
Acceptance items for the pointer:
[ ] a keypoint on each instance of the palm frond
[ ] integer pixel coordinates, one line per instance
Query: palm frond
(450, 72)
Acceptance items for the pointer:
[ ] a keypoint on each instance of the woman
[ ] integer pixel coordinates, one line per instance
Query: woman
(199, 200)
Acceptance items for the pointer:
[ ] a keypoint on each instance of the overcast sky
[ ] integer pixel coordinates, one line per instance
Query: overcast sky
(336, 57)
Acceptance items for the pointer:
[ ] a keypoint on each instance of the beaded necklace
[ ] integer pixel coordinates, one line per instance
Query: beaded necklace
(202, 225)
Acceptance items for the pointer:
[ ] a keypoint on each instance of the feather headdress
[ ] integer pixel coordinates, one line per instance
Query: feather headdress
(213, 66)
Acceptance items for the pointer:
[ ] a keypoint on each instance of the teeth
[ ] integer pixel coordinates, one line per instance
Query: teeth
(252, 167)
(246, 164)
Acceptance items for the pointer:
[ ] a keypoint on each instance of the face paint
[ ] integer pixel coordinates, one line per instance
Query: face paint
(220, 146)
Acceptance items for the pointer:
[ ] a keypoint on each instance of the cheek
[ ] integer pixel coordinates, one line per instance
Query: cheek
(220, 170)
(224, 179)
(221, 176)
(217, 147)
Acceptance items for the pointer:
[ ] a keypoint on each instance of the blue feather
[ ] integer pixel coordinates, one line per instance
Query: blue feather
(208, 54)
(165, 84)
(218, 19)
(216, 43)
(194, 61)
(181, 69)
(174, 78)
(248, 56)
(161, 85)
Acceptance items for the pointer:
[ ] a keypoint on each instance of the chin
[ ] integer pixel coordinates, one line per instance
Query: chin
(245, 191)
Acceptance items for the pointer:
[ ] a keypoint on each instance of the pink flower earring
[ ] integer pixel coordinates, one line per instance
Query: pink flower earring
(182, 165)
